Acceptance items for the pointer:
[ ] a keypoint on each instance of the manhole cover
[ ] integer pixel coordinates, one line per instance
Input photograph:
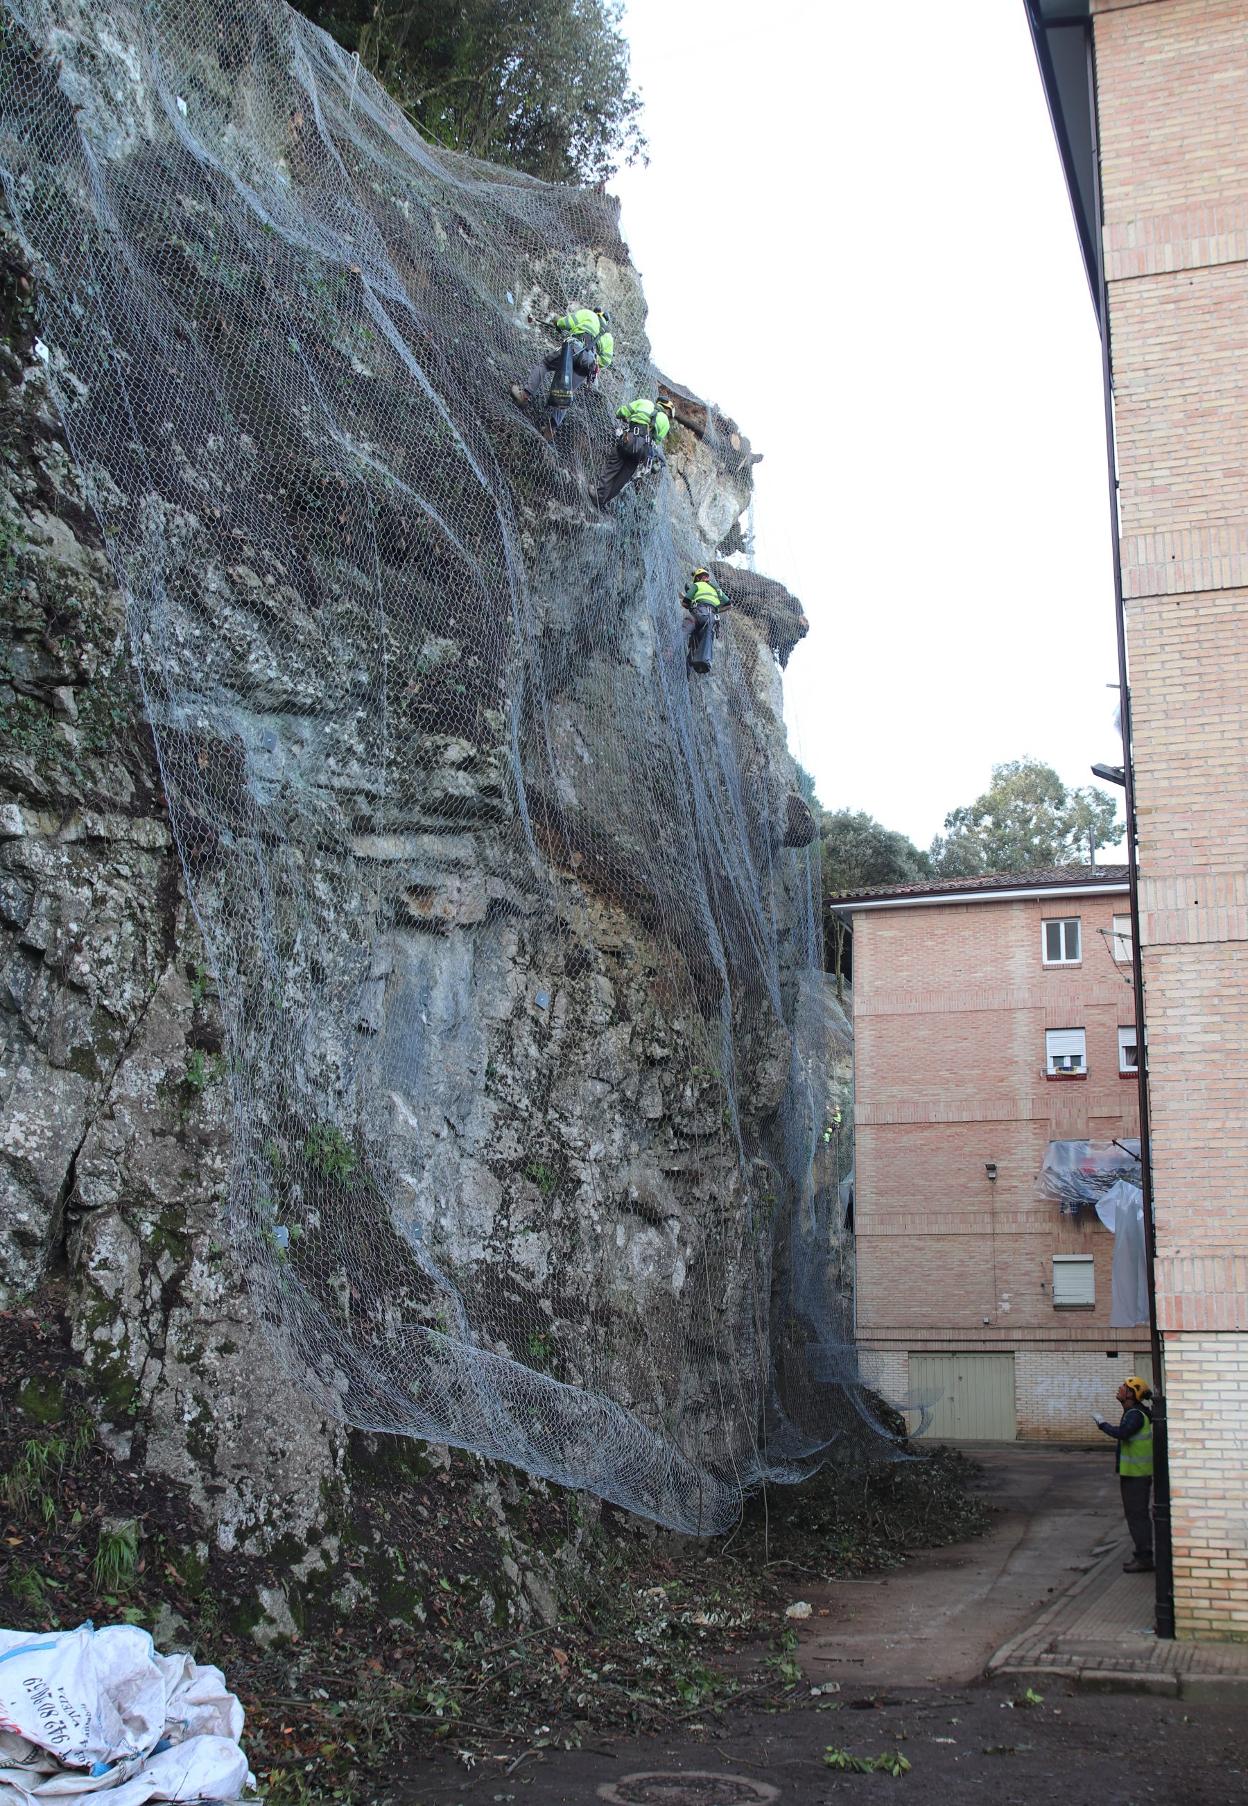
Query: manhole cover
(695, 1787)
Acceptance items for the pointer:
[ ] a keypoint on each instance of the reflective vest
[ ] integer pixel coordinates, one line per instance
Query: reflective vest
(701, 591)
(583, 322)
(644, 413)
(1135, 1455)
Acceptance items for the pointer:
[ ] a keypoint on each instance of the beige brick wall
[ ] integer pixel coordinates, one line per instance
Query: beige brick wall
(885, 1370)
(1172, 81)
(1056, 1391)
(1206, 1386)
(1189, 677)
(951, 1004)
(1056, 1388)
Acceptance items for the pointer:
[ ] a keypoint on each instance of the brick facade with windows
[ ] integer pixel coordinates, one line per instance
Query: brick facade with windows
(958, 998)
(1168, 264)
(1172, 80)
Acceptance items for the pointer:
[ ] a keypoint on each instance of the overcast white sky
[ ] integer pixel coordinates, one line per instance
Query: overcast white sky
(855, 237)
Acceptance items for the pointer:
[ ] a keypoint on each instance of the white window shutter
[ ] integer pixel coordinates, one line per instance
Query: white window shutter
(1074, 1279)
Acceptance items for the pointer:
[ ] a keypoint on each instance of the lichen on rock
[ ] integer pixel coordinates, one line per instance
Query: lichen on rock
(411, 976)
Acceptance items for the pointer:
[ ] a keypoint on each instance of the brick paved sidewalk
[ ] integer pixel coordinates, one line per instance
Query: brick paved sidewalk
(1099, 1633)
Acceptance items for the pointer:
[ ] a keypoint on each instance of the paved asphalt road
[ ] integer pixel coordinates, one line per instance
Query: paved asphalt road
(906, 1652)
(940, 1618)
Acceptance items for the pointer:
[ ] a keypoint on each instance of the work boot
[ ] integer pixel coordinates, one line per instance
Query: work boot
(519, 396)
(1138, 1564)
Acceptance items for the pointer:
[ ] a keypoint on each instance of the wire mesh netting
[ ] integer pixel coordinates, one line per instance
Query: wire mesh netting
(517, 960)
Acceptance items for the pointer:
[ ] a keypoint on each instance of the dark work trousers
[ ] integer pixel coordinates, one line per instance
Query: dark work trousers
(700, 631)
(537, 382)
(620, 469)
(1136, 1489)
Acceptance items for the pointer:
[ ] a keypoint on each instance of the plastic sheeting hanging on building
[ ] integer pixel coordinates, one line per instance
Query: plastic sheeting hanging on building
(1121, 1209)
(1076, 1173)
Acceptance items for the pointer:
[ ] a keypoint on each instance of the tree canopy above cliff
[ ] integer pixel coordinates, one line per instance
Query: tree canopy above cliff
(539, 85)
(858, 852)
(1026, 819)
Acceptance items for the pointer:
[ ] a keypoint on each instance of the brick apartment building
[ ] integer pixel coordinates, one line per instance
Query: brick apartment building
(993, 1022)
(1149, 101)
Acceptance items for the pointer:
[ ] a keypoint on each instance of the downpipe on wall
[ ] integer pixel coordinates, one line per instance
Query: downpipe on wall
(1162, 1539)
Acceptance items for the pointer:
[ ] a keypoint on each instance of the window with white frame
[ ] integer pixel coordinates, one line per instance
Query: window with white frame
(1128, 1050)
(1060, 941)
(1066, 1053)
(1122, 940)
(1074, 1282)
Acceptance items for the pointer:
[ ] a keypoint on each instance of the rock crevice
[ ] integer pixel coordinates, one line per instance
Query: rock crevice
(410, 979)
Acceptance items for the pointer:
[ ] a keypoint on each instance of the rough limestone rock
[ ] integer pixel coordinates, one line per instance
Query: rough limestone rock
(113, 1149)
(513, 930)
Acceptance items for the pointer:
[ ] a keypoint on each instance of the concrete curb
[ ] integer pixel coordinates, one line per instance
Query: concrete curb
(1215, 1689)
(1083, 1639)
(1197, 1689)
(1001, 1660)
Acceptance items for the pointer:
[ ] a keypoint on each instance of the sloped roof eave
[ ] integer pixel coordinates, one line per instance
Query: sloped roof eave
(1017, 891)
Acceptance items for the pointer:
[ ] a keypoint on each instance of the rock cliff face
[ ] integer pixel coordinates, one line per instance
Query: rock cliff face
(408, 993)
(116, 1136)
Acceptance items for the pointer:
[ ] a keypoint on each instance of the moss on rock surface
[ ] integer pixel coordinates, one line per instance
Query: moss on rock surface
(568, 1145)
(41, 1398)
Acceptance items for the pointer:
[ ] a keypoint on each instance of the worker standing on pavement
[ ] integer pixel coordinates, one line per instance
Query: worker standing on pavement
(1134, 1436)
(646, 425)
(704, 604)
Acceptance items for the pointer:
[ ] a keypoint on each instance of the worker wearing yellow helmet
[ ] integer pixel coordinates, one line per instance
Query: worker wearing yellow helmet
(704, 604)
(586, 346)
(644, 426)
(1134, 1463)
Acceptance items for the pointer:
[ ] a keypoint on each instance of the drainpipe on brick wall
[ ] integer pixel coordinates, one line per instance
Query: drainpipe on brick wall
(1164, 1550)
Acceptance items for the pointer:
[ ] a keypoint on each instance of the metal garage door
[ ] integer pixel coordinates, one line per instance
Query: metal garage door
(970, 1396)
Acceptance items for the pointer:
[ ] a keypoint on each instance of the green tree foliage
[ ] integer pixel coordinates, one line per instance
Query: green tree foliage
(1025, 820)
(540, 85)
(856, 852)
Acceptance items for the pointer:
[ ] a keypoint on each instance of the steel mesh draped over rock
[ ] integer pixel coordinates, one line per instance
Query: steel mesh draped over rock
(525, 1030)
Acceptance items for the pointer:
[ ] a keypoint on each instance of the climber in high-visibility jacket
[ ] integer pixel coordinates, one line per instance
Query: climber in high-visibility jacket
(590, 326)
(704, 604)
(1134, 1436)
(593, 350)
(645, 425)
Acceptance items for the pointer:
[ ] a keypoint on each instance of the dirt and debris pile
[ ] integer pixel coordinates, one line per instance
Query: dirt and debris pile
(502, 1618)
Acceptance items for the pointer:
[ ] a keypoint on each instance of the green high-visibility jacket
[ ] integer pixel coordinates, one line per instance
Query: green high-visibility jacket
(698, 590)
(583, 320)
(1135, 1453)
(644, 413)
